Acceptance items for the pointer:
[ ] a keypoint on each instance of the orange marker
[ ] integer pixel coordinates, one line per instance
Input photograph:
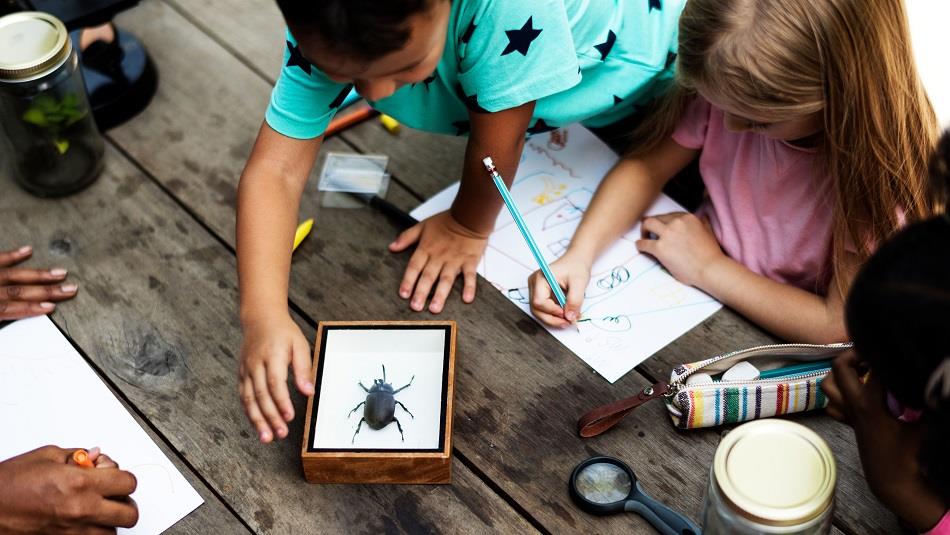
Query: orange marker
(81, 457)
(340, 124)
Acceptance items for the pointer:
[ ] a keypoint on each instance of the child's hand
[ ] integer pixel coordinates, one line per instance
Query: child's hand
(446, 248)
(844, 369)
(684, 244)
(270, 345)
(29, 292)
(572, 274)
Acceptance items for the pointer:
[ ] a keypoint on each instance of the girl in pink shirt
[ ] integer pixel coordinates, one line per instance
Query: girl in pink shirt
(812, 131)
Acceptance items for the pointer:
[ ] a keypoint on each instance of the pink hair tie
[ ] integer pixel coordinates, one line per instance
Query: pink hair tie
(902, 412)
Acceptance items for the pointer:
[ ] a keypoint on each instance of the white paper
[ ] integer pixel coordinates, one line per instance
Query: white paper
(357, 356)
(636, 307)
(45, 389)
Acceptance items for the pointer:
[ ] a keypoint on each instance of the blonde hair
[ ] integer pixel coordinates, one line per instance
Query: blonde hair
(850, 60)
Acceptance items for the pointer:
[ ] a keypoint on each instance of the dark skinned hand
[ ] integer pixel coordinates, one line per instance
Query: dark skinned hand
(26, 292)
(41, 491)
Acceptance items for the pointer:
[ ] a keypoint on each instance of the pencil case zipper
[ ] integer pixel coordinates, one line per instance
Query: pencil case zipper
(602, 418)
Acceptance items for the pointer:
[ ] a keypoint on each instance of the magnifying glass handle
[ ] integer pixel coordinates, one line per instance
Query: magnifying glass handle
(665, 520)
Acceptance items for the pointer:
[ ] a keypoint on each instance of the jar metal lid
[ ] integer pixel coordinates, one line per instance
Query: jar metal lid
(775, 472)
(32, 44)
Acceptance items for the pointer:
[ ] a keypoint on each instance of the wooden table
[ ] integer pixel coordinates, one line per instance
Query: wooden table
(152, 246)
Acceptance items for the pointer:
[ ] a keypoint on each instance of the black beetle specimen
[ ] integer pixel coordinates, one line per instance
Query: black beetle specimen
(380, 405)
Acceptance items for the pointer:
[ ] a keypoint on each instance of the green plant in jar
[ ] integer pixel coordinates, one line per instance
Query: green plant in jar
(54, 117)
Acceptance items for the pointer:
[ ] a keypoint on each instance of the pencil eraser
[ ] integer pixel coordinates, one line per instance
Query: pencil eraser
(488, 163)
(742, 371)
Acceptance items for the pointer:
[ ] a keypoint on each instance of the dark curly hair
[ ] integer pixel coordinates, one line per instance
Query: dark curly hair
(360, 29)
(898, 315)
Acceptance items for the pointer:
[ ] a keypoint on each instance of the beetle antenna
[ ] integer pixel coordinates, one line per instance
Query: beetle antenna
(384, 373)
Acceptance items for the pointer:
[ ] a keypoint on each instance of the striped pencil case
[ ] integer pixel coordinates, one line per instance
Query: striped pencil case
(774, 379)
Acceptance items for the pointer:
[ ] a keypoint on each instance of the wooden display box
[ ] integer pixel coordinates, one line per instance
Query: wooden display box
(382, 412)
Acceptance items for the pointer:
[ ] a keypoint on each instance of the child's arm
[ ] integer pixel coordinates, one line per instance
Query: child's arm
(268, 201)
(453, 242)
(689, 250)
(622, 197)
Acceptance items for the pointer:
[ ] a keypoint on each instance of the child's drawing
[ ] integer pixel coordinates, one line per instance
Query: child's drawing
(571, 208)
(612, 324)
(632, 307)
(519, 295)
(559, 247)
(550, 190)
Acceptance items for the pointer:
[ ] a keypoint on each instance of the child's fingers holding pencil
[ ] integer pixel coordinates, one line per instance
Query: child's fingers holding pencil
(543, 305)
(575, 297)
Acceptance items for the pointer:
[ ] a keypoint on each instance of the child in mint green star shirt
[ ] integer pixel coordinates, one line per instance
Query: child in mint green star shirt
(494, 70)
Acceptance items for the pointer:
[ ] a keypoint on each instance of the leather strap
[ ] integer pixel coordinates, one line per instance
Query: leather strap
(603, 418)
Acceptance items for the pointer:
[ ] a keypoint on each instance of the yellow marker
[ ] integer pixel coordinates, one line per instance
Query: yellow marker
(391, 125)
(302, 231)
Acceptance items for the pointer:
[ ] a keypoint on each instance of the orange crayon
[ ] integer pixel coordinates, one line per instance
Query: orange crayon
(81, 457)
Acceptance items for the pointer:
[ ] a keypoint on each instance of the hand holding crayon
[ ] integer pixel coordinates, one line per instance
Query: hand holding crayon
(43, 493)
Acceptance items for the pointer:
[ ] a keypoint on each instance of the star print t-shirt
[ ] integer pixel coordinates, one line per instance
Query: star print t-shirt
(592, 61)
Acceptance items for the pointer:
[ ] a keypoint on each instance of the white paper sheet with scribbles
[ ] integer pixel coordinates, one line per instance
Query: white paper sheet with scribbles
(635, 307)
(45, 389)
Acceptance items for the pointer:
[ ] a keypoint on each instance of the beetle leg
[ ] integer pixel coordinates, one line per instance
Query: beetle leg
(363, 387)
(356, 407)
(357, 430)
(400, 429)
(405, 387)
(404, 408)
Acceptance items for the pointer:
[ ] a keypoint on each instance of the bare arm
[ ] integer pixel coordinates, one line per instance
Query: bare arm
(689, 250)
(621, 199)
(789, 312)
(268, 203)
(624, 195)
(500, 135)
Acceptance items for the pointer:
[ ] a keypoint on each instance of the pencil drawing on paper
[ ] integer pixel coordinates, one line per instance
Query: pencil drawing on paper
(632, 306)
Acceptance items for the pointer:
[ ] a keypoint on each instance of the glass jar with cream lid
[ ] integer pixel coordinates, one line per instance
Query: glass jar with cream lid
(770, 476)
(55, 146)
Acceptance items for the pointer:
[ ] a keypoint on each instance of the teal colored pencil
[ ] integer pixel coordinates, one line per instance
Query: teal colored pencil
(523, 227)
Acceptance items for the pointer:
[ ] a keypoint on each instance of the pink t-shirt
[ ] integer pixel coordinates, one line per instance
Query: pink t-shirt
(769, 208)
(942, 527)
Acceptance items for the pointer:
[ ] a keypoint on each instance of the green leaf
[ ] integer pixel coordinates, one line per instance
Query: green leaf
(35, 116)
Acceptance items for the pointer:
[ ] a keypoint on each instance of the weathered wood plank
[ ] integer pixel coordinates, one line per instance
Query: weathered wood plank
(252, 30)
(156, 312)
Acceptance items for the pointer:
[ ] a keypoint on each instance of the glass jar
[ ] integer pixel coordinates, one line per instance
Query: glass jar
(770, 476)
(56, 147)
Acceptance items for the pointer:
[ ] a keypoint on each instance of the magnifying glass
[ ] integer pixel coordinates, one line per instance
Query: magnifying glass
(604, 486)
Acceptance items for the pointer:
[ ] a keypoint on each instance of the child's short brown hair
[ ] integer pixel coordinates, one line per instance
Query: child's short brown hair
(359, 29)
